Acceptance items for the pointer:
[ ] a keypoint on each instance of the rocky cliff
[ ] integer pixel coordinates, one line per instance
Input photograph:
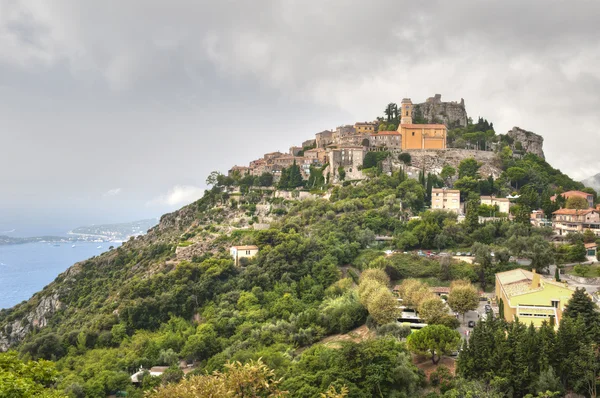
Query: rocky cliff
(452, 114)
(433, 161)
(531, 142)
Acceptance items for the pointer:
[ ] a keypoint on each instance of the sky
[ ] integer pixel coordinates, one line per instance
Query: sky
(118, 110)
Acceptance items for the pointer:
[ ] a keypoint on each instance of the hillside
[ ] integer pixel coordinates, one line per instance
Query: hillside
(176, 295)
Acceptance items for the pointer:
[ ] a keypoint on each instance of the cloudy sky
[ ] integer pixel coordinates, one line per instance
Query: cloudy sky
(117, 110)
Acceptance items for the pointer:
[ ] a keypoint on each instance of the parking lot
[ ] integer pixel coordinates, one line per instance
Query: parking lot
(473, 316)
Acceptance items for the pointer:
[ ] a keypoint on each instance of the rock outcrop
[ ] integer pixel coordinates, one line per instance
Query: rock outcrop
(16, 331)
(433, 110)
(592, 182)
(433, 161)
(531, 142)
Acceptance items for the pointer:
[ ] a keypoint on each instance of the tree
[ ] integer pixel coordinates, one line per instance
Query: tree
(581, 304)
(265, 179)
(434, 340)
(405, 158)
(383, 307)
(432, 309)
(448, 172)
(377, 275)
(472, 216)
(20, 379)
(483, 258)
(515, 175)
(577, 202)
(213, 178)
(253, 379)
(463, 297)
(341, 173)
(295, 176)
(412, 292)
(469, 168)
(556, 274)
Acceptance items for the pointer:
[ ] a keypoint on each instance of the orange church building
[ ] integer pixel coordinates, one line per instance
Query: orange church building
(420, 136)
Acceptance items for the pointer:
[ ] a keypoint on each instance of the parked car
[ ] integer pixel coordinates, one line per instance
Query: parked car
(488, 308)
(471, 324)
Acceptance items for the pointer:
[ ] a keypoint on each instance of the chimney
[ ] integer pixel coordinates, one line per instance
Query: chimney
(535, 280)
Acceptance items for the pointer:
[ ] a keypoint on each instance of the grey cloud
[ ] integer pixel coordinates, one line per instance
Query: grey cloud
(151, 95)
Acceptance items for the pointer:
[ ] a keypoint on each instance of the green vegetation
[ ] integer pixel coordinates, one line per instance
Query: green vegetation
(520, 360)
(144, 305)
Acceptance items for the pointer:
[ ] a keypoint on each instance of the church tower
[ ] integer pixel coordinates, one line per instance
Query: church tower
(406, 111)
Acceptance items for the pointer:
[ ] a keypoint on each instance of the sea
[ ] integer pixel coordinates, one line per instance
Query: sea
(25, 269)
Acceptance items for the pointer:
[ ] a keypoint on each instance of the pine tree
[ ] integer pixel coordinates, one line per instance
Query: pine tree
(472, 216)
(501, 309)
(295, 176)
(582, 305)
(557, 274)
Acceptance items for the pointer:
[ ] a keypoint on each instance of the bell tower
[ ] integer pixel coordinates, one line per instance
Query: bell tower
(406, 111)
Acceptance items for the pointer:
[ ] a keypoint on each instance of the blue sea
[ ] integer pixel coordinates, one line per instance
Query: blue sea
(26, 269)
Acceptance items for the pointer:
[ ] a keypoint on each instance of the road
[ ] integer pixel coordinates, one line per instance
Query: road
(471, 316)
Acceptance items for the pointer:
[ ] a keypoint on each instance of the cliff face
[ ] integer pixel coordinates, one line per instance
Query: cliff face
(433, 161)
(531, 142)
(452, 114)
(592, 182)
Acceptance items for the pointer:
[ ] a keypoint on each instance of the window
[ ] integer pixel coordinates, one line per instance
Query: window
(555, 303)
(413, 134)
(406, 113)
(247, 252)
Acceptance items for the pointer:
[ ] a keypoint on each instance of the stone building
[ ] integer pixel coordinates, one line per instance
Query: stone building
(317, 155)
(309, 143)
(350, 158)
(385, 141)
(452, 114)
(273, 155)
(419, 136)
(365, 127)
(324, 138)
(241, 170)
(295, 150)
(342, 132)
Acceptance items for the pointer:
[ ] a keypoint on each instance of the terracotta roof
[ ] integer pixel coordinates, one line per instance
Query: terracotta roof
(590, 245)
(424, 126)
(574, 212)
(440, 289)
(250, 247)
(568, 194)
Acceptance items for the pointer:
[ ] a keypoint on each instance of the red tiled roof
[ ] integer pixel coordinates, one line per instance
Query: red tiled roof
(590, 245)
(574, 212)
(568, 194)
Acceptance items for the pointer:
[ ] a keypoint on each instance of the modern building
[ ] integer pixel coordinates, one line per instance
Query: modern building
(445, 199)
(538, 219)
(502, 203)
(569, 194)
(574, 220)
(420, 136)
(529, 297)
(239, 252)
